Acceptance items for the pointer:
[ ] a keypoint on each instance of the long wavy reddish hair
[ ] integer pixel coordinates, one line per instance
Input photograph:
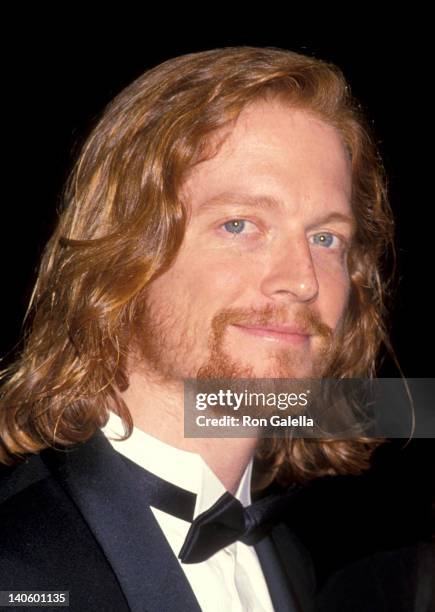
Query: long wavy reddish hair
(123, 223)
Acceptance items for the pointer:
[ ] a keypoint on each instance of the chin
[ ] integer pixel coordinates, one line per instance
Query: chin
(238, 370)
(281, 368)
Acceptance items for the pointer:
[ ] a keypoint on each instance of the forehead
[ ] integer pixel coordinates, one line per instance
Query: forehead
(278, 150)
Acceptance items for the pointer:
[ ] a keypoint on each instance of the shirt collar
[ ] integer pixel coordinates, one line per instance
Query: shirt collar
(182, 468)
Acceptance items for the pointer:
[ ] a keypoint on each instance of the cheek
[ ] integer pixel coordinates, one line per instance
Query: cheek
(334, 288)
(202, 283)
(216, 271)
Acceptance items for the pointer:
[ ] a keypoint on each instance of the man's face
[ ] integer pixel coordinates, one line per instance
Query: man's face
(260, 285)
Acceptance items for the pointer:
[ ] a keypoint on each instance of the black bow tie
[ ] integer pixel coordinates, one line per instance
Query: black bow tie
(226, 522)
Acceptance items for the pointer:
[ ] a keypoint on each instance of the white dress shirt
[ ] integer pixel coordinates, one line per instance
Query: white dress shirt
(230, 580)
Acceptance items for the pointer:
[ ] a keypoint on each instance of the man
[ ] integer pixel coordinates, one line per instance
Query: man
(226, 218)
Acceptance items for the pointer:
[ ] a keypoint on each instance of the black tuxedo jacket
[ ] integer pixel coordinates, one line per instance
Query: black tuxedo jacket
(80, 521)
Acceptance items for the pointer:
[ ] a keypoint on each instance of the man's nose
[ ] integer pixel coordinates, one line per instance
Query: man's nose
(292, 273)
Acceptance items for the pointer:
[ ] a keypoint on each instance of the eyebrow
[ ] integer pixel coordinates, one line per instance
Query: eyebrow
(269, 202)
(257, 201)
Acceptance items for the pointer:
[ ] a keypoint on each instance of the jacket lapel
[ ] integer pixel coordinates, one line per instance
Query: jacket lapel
(288, 570)
(113, 500)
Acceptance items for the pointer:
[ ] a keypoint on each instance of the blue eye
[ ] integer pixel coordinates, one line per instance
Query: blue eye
(325, 239)
(235, 226)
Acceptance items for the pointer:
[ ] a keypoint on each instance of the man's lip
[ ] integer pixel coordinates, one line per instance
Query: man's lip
(289, 333)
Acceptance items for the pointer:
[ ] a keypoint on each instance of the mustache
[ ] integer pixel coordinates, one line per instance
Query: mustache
(307, 320)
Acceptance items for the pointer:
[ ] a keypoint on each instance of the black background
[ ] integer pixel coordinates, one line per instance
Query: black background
(58, 82)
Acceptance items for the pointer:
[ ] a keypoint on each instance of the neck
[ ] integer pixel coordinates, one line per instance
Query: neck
(157, 409)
